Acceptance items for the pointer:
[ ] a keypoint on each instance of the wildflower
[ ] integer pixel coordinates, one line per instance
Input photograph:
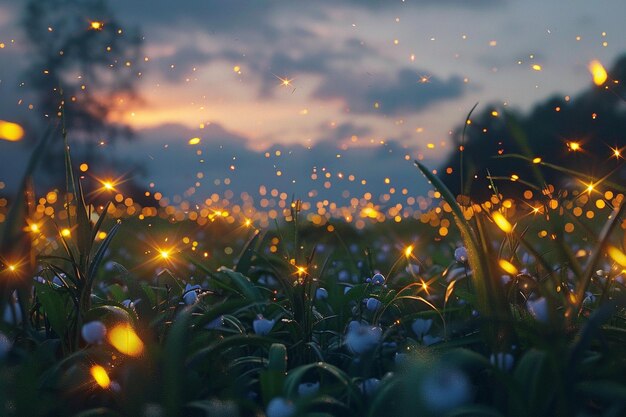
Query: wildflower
(372, 304)
(503, 361)
(5, 345)
(369, 386)
(445, 389)
(280, 407)
(262, 326)
(362, 338)
(321, 294)
(421, 327)
(460, 254)
(93, 332)
(308, 388)
(377, 279)
(538, 308)
(190, 295)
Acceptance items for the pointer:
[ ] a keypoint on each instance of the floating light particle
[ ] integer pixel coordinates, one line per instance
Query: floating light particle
(574, 146)
(96, 25)
(537, 67)
(194, 141)
(123, 338)
(408, 251)
(507, 266)
(598, 72)
(66, 232)
(617, 255)
(502, 222)
(493, 43)
(83, 167)
(536, 160)
(100, 375)
(11, 131)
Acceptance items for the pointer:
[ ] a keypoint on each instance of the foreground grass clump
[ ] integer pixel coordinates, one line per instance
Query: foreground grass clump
(493, 322)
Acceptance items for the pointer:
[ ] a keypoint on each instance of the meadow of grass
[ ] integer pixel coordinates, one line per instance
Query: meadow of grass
(517, 310)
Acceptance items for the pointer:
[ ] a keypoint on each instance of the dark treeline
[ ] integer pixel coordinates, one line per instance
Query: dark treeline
(580, 134)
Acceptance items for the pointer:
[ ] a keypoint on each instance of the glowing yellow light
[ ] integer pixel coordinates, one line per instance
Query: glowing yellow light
(370, 212)
(96, 25)
(616, 152)
(507, 266)
(100, 375)
(598, 72)
(12, 268)
(102, 235)
(34, 227)
(194, 141)
(408, 251)
(11, 131)
(83, 167)
(536, 160)
(123, 338)
(247, 223)
(165, 254)
(285, 82)
(589, 188)
(537, 67)
(108, 185)
(502, 222)
(617, 255)
(66, 232)
(301, 270)
(574, 146)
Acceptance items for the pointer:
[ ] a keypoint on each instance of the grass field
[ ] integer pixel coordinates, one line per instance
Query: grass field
(517, 309)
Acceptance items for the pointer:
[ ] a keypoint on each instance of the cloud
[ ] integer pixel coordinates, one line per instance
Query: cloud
(407, 91)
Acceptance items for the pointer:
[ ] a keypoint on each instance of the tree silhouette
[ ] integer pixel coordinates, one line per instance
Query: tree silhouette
(595, 121)
(84, 57)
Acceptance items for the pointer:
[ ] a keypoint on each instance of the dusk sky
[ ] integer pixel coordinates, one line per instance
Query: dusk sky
(368, 83)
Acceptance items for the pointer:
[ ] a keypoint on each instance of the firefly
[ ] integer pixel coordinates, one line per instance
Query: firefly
(123, 338)
(100, 375)
(502, 222)
(11, 131)
(598, 72)
(96, 25)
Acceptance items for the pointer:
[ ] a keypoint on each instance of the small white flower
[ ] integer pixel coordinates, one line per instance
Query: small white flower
(503, 361)
(280, 407)
(308, 388)
(321, 294)
(369, 386)
(343, 275)
(372, 304)
(5, 345)
(93, 332)
(262, 326)
(538, 308)
(445, 389)
(377, 279)
(460, 254)
(421, 326)
(190, 295)
(362, 338)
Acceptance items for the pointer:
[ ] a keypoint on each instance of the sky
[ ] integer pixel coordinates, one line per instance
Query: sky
(304, 95)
